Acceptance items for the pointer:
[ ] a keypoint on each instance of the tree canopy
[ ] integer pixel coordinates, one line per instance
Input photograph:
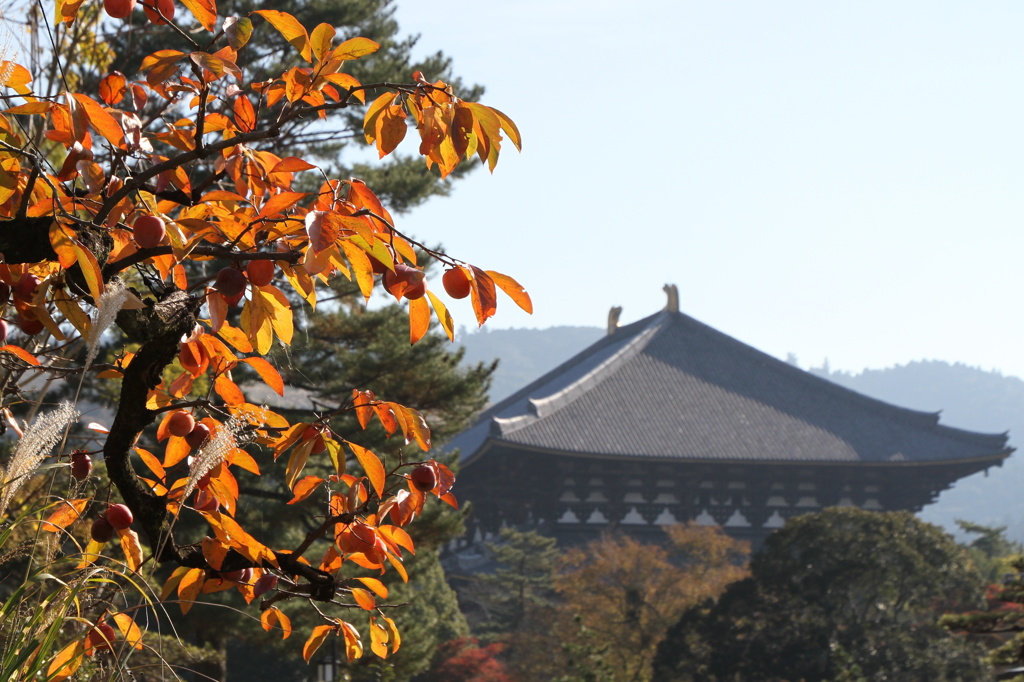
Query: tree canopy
(843, 594)
(160, 201)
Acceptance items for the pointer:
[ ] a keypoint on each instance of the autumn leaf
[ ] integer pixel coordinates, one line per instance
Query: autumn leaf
(514, 290)
(131, 547)
(305, 487)
(67, 513)
(205, 12)
(129, 629)
(289, 27)
(316, 639)
(371, 465)
(273, 617)
(67, 662)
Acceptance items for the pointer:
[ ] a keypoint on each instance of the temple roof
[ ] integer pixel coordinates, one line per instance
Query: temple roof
(670, 387)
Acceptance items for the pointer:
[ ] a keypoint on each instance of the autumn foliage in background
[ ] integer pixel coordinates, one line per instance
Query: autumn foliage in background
(189, 236)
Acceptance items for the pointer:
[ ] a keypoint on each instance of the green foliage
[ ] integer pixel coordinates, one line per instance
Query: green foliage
(992, 551)
(831, 594)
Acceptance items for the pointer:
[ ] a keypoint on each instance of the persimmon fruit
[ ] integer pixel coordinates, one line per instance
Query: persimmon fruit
(166, 8)
(181, 423)
(199, 434)
(81, 466)
(119, 9)
(456, 283)
(149, 231)
(101, 530)
(230, 282)
(424, 478)
(119, 516)
(261, 272)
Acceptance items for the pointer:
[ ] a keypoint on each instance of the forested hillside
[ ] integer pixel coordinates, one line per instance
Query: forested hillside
(967, 397)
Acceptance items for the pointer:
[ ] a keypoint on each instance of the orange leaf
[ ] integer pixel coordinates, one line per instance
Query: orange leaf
(21, 353)
(132, 548)
(236, 337)
(291, 164)
(353, 647)
(67, 662)
(372, 465)
(214, 551)
(66, 514)
(245, 115)
(315, 640)
(377, 586)
(419, 319)
(189, 587)
(289, 27)
(228, 390)
(205, 12)
(364, 599)
(305, 487)
(101, 120)
(361, 402)
(151, 462)
(129, 629)
(62, 241)
(514, 290)
(279, 202)
(113, 88)
(271, 377)
(485, 300)
(272, 617)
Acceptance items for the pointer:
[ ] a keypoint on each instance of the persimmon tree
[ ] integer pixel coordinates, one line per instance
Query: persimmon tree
(185, 231)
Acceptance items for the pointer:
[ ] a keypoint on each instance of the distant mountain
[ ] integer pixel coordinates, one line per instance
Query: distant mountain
(524, 354)
(967, 397)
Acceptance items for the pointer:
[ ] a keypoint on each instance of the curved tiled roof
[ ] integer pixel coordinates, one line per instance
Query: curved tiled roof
(671, 387)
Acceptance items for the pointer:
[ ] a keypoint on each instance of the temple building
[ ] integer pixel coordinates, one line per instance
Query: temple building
(667, 420)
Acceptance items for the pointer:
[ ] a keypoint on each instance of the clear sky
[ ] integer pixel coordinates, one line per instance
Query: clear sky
(833, 180)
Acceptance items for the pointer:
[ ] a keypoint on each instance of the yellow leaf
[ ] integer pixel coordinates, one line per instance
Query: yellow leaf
(132, 548)
(371, 465)
(67, 662)
(205, 12)
(377, 586)
(316, 639)
(297, 462)
(514, 290)
(91, 554)
(236, 337)
(378, 639)
(67, 513)
(321, 38)
(396, 638)
(90, 269)
(443, 316)
(131, 631)
(354, 48)
(289, 27)
(272, 617)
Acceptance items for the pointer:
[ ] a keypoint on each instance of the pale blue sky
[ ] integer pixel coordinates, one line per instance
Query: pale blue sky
(840, 180)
